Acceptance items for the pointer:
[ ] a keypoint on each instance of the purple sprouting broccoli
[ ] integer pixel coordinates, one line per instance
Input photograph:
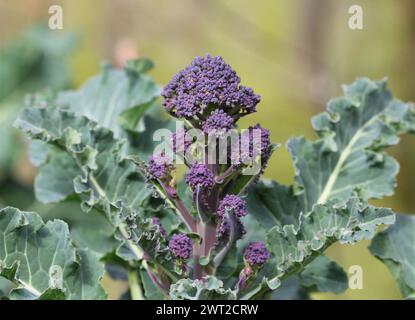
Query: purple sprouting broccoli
(209, 98)
(232, 203)
(180, 141)
(159, 167)
(200, 175)
(181, 247)
(218, 122)
(252, 146)
(256, 254)
(207, 81)
(265, 149)
(248, 98)
(230, 211)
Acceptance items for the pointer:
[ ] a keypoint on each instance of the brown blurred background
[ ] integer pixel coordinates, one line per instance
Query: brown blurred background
(295, 54)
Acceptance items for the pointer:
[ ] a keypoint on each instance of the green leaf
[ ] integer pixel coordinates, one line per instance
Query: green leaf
(395, 247)
(106, 180)
(274, 204)
(132, 119)
(324, 275)
(139, 66)
(151, 292)
(36, 59)
(142, 143)
(96, 234)
(52, 294)
(229, 265)
(54, 181)
(10, 148)
(346, 158)
(208, 288)
(347, 223)
(149, 237)
(85, 281)
(38, 152)
(113, 93)
(44, 259)
(33, 60)
(294, 247)
(6, 287)
(106, 96)
(103, 177)
(290, 289)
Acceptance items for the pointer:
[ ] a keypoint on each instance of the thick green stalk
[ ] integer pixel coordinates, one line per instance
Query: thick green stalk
(135, 285)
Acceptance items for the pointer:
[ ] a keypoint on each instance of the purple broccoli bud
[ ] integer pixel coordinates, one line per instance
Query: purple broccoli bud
(232, 203)
(180, 141)
(246, 97)
(256, 254)
(265, 150)
(231, 208)
(218, 122)
(200, 175)
(265, 142)
(159, 166)
(250, 148)
(181, 246)
(207, 80)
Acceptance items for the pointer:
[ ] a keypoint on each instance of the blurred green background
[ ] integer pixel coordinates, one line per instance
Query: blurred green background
(295, 54)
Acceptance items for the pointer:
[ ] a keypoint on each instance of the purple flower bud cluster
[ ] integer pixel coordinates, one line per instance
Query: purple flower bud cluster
(218, 121)
(256, 254)
(247, 97)
(181, 246)
(180, 141)
(265, 142)
(200, 175)
(265, 149)
(207, 81)
(252, 145)
(159, 167)
(231, 207)
(232, 203)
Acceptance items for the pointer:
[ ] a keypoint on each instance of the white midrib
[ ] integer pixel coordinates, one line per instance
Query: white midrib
(328, 188)
(136, 250)
(30, 288)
